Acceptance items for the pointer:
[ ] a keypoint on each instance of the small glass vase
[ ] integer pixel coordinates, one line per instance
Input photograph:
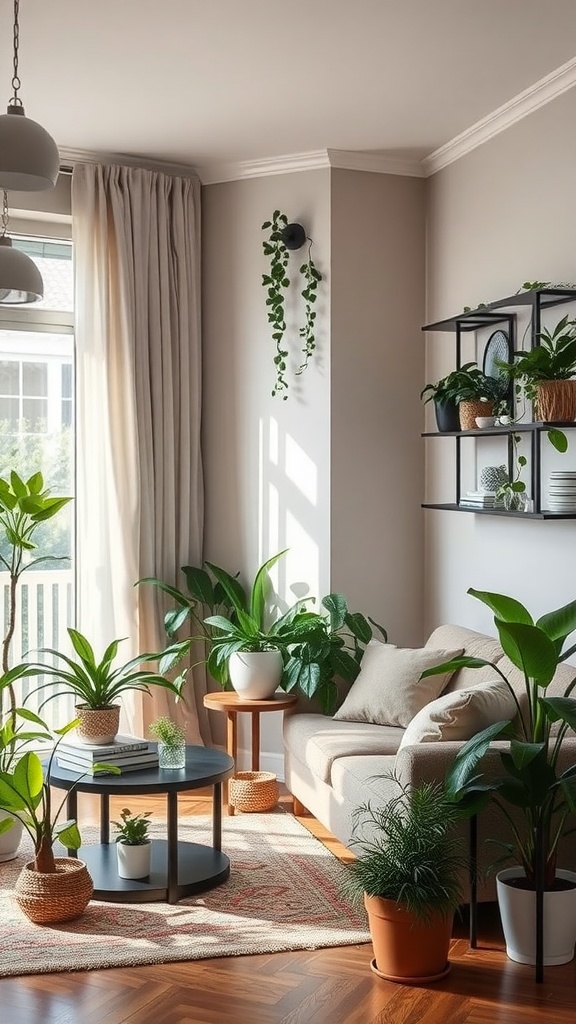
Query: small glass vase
(171, 755)
(516, 501)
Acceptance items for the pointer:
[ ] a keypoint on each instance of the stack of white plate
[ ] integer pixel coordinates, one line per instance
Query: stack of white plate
(562, 491)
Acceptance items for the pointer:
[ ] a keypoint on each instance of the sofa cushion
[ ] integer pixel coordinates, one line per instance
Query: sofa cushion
(318, 741)
(388, 689)
(476, 645)
(460, 715)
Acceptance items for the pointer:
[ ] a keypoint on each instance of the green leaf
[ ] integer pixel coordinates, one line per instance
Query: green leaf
(29, 778)
(68, 835)
(231, 586)
(465, 661)
(523, 754)
(199, 584)
(82, 647)
(18, 485)
(337, 609)
(558, 440)
(344, 664)
(35, 483)
(6, 824)
(560, 623)
(359, 626)
(560, 709)
(506, 608)
(529, 649)
(460, 773)
(261, 588)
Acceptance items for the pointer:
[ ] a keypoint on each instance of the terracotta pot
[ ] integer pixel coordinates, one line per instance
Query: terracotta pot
(468, 411)
(407, 949)
(556, 401)
(47, 898)
(98, 726)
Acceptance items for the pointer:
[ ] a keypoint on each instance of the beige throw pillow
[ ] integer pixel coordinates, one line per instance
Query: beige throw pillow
(388, 689)
(461, 714)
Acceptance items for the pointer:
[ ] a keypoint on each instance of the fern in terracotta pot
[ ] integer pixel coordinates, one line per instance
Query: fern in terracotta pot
(408, 872)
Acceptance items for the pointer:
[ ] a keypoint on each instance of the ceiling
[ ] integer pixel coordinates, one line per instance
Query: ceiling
(205, 82)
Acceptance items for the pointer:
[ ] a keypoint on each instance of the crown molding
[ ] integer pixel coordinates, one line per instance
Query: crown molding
(213, 174)
(516, 109)
(376, 163)
(71, 157)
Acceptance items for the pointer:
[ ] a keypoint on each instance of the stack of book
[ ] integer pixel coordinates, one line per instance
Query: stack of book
(481, 499)
(129, 753)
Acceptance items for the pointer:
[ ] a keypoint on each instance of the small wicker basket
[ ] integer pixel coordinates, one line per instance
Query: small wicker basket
(58, 896)
(253, 791)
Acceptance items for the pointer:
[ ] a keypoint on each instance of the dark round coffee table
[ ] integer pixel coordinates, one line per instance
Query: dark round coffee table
(178, 869)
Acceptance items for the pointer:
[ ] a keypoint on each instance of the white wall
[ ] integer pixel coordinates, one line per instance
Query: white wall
(500, 216)
(266, 461)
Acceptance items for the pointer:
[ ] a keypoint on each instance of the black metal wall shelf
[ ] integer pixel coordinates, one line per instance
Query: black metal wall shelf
(492, 315)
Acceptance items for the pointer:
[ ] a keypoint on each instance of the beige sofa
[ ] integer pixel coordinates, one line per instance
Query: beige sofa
(333, 766)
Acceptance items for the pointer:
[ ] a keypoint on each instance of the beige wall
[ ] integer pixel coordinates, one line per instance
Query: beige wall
(496, 218)
(377, 459)
(333, 473)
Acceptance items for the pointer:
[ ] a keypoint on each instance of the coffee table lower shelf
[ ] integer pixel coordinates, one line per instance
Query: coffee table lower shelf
(199, 868)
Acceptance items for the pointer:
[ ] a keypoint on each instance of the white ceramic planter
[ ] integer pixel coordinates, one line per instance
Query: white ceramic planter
(518, 913)
(10, 840)
(255, 674)
(134, 861)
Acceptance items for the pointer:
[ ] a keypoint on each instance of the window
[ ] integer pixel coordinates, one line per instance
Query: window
(37, 433)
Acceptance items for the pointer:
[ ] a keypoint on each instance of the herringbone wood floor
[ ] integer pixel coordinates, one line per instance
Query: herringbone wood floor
(326, 986)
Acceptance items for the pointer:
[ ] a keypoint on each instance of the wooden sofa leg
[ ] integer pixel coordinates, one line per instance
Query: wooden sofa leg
(298, 809)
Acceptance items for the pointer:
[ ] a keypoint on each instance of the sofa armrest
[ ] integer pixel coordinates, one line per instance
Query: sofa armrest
(429, 762)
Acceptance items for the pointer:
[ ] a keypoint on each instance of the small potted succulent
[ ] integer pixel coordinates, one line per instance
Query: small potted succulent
(171, 739)
(133, 845)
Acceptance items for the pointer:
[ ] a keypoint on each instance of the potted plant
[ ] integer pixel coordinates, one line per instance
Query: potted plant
(534, 780)
(299, 649)
(49, 889)
(171, 739)
(133, 845)
(546, 373)
(24, 506)
(97, 685)
(283, 238)
(512, 492)
(467, 388)
(408, 872)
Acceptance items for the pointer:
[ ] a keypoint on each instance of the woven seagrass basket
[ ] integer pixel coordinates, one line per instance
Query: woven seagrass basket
(47, 898)
(469, 410)
(253, 791)
(556, 401)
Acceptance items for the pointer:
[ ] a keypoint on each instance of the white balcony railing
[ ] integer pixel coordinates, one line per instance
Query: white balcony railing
(44, 610)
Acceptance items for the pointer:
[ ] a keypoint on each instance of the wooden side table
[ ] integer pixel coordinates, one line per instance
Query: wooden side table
(232, 704)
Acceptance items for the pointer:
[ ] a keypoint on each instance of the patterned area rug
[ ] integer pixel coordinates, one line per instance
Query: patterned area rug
(283, 893)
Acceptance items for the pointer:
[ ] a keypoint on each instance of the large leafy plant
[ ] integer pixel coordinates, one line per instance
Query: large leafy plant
(24, 506)
(533, 781)
(317, 647)
(25, 793)
(553, 359)
(408, 851)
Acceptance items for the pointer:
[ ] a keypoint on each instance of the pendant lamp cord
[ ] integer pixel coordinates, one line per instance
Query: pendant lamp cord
(16, 83)
(4, 229)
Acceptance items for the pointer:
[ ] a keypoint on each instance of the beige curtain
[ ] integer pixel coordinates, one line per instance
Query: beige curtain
(139, 475)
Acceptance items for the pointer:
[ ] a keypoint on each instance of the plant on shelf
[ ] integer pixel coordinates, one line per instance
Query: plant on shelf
(49, 888)
(512, 493)
(97, 685)
(469, 389)
(408, 871)
(544, 374)
(132, 829)
(282, 238)
(171, 739)
(134, 846)
(303, 649)
(535, 781)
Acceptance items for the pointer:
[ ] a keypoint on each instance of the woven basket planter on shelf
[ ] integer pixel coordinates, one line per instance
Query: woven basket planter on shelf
(47, 898)
(253, 791)
(468, 411)
(556, 401)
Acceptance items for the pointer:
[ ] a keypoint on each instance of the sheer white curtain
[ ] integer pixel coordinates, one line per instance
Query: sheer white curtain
(139, 475)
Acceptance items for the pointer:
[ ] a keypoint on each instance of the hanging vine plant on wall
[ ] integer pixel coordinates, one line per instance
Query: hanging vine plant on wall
(283, 238)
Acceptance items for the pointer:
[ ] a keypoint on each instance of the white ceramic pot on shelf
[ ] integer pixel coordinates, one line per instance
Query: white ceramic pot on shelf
(518, 914)
(255, 675)
(134, 861)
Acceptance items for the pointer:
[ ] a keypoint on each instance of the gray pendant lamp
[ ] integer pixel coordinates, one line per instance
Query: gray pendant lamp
(20, 279)
(29, 159)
